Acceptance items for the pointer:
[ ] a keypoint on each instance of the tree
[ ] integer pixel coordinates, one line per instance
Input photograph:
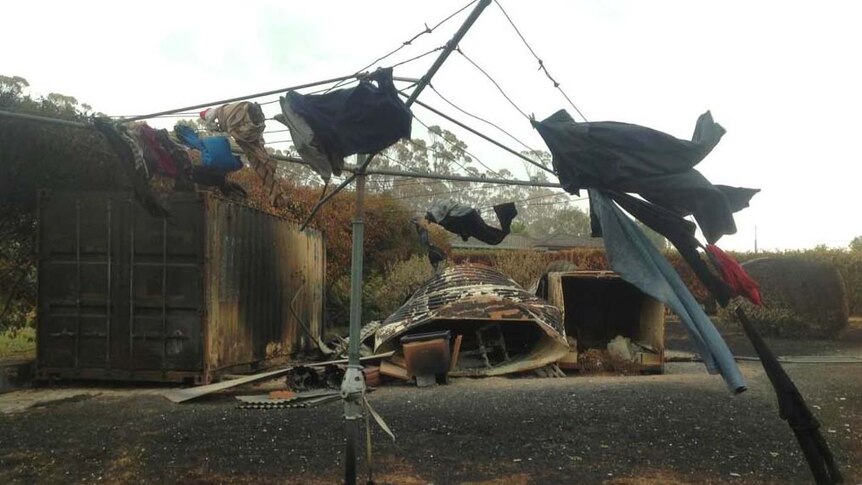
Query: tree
(856, 244)
(566, 220)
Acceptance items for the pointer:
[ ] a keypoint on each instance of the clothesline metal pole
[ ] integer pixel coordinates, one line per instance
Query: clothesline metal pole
(238, 98)
(353, 386)
(425, 175)
(43, 119)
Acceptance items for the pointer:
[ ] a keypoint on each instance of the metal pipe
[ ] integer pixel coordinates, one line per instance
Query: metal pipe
(450, 46)
(460, 178)
(353, 387)
(425, 175)
(238, 98)
(483, 136)
(44, 119)
(356, 271)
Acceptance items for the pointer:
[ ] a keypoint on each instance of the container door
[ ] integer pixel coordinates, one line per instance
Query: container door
(77, 281)
(165, 287)
(120, 291)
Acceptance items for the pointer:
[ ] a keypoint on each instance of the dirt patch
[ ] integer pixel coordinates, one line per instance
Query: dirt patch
(519, 479)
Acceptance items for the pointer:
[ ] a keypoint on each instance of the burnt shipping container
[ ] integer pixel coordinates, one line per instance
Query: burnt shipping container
(215, 288)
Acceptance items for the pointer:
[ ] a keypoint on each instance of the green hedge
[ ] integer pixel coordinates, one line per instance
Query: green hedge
(524, 266)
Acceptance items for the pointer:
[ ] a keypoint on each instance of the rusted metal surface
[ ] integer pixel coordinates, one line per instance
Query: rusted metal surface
(470, 296)
(126, 296)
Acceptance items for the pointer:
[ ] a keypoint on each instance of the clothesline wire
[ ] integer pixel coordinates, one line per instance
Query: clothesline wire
(409, 41)
(491, 208)
(420, 56)
(384, 155)
(450, 103)
(539, 60)
(493, 81)
(474, 157)
(483, 136)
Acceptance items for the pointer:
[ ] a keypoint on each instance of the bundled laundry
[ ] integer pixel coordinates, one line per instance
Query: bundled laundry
(245, 123)
(466, 221)
(131, 159)
(327, 127)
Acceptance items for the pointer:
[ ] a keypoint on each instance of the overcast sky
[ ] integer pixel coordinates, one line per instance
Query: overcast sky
(782, 77)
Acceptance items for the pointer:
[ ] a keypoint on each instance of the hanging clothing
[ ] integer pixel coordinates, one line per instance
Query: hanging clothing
(158, 159)
(680, 233)
(215, 150)
(793, 409)
(364, 119)
(466, 221)
(304, 143)
(435, 254)
(180, 158)
(735, 276)
(131, 159)
(637, 261)
(631, 158)
(245, 123)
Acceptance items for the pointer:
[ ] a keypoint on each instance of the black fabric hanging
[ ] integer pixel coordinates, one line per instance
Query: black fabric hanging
(630, 158)
(620, 158)
(435, 254)
(793, 409)
(467, 222)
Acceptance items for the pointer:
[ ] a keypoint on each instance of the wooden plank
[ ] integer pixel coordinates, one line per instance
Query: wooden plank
(390, 369)
(183, 395)
(456, 352)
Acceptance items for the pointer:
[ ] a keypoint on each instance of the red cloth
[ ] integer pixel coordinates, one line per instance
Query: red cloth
(735, 276)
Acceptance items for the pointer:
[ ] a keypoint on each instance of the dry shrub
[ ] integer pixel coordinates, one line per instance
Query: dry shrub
(803, 298)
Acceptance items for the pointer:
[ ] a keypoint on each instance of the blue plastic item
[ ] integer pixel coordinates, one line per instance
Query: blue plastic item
(215, 150)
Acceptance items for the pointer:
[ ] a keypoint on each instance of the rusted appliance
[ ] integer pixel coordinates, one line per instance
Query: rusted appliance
(499, 327)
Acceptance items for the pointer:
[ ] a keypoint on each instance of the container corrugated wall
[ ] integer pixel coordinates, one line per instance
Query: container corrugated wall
(124, 295)
(267, 283)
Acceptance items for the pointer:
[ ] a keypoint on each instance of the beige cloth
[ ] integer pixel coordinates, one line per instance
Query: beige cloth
(244, 122)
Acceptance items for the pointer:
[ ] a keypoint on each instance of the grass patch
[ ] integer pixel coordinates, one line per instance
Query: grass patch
(18, 344)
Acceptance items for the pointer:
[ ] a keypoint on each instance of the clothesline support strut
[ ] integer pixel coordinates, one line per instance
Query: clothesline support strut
(353, 385)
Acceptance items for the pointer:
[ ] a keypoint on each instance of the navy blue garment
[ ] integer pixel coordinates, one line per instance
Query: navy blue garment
(215, 150)
(637, 261)
(630, 158)
(364, 119)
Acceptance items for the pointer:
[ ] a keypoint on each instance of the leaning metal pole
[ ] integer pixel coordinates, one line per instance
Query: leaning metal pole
(353, 385)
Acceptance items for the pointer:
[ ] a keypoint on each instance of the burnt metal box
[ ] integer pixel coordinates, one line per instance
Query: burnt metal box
(598, 306)
(217, 286)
